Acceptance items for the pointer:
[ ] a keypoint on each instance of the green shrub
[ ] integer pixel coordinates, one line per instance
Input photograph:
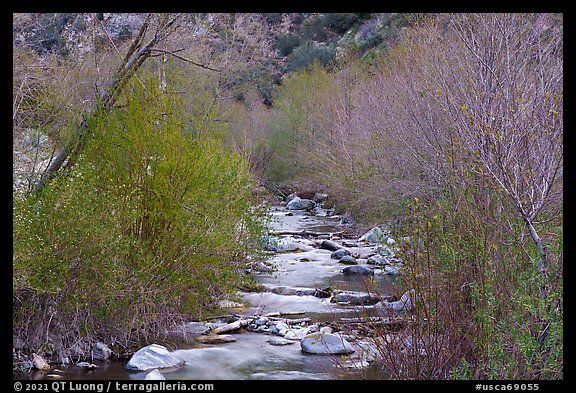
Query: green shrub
(338, 23)
(308, 54)
(148, 228)
(285, 43)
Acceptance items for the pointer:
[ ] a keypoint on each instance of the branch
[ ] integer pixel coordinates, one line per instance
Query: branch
(173, 53)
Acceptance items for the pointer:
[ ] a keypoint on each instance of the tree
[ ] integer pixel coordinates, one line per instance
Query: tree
(137, 53)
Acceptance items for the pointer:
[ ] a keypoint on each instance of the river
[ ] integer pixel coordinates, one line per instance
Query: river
(251, 356)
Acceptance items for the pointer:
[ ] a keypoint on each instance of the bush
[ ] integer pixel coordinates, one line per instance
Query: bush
(338, 23)
(285, 43)
(308, 54)
(148, 228)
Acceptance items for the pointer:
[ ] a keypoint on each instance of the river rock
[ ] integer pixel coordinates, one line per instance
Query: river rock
(386, 252)
(38, 362)
(154, 375)
(215, 339)
(296, 334)
(279, 341)
(330, 245)
(289, 291)
(339, 253)
(101, 351)
(358, 299)
(326, 344)
(151, 357)
(406, 303)
(378, 260)
(390, 270)
(358, 269)
(290, 197)
(348, 260)
(298, 203)
(374, 235)
(86, 365)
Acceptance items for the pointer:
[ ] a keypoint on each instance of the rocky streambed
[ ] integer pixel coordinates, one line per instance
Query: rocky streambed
(306, 323)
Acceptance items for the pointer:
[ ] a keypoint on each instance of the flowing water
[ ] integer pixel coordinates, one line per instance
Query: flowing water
(251, 356)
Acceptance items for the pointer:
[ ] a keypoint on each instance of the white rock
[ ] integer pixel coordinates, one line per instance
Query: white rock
(151, 357)
(154, 375)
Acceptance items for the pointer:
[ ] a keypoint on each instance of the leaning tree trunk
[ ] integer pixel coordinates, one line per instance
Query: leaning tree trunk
(137, 53)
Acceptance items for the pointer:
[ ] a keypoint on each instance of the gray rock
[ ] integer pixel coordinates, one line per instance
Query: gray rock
(86, 365)
(101, 351)
(320, 212)
(301, 204)
(374, 235)
(355, 298)
(297, 334)
(154, 375)
(284, 245)
(348, 260)
(290, 197)
(358, 269)
(326, 344)
(378, 260)
(339, 253)
(280, 341)
(261, 321)
(386, 252)
(281, 327)
(406, 303)
(330, 245)
(38, 362)
(289, 291)
(390, 270)
(151, 357)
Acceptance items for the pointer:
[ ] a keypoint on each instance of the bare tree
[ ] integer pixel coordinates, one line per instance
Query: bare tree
(510, 114)
(137, 53)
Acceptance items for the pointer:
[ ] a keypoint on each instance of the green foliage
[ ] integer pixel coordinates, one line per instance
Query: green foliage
(309, 53)
(485, 295)
(151, 225)
(286, 42)
(338, 23)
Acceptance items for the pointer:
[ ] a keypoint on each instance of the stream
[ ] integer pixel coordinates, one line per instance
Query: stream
(251, 356)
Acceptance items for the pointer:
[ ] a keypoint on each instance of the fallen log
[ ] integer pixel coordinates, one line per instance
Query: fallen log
(289, 321)
(232, 326)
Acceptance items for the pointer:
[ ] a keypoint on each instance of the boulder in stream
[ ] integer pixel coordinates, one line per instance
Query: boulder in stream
(339, 253)
(358, 269)
(348, 260)
(374, 235)
(38, 362)
(406, 303)
(378, 260)
(326, 344)
(330, 245)
(101, 351)
(153, 356)
(298, 203)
